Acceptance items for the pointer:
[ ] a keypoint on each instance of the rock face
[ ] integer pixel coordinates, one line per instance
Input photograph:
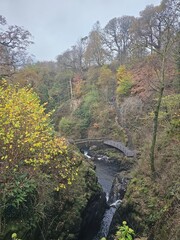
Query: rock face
(92, 216)
(124, 212)
(118, 189)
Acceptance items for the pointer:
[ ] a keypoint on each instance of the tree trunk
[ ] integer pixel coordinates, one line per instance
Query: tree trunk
(155, 128)
(156, 119)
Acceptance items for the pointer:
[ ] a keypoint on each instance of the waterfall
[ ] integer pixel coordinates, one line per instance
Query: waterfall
(86, 154)
(106, 171)
(105, 224)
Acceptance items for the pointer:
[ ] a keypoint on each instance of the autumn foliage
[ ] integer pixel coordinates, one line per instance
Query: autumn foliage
(27, 139)
(124, 81)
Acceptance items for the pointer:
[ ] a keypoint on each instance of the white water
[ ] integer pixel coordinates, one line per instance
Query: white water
(116, 204)
(105, 224)
(107, 196)
(86, 154)
(106, 172)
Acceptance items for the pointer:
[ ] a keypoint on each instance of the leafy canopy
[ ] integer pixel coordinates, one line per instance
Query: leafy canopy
(124, 81)
(27, 139)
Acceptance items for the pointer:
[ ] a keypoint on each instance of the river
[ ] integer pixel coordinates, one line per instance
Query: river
(106, 171)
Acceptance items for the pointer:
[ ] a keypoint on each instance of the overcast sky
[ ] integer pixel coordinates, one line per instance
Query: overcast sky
(56, 25)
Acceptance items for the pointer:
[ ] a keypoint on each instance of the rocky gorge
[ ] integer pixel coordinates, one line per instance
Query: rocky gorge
(113, 173)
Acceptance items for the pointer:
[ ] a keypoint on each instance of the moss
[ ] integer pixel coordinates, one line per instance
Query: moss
(151, 206)
(62, 215)
(68, 217)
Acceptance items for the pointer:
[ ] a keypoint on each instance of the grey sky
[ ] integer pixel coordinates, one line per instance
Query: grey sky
(56, 25)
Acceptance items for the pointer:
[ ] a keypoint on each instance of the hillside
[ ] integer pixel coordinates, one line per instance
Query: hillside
(119, 83)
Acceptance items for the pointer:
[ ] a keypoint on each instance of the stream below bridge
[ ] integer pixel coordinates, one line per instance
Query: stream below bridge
(106, 171)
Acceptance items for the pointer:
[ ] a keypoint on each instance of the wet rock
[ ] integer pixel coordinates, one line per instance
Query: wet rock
(92, 216)
(126, 212)
(93, 147)
(116, 204)
(118, 189)
(102, 158)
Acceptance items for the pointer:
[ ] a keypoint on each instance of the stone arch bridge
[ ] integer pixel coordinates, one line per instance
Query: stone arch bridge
(103, 141)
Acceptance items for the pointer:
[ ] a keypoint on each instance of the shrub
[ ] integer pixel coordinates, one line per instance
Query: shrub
(124, 232)
(124, 81)
(34, 163)
(27, 139)
(66, 125)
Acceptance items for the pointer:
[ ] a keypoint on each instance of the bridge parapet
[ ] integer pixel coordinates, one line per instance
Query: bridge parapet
(89, 140)
(127, 152)
(118, 145)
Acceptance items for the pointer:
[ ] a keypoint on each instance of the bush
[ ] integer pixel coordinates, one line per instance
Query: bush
(27, 138)
(33, 161)
(123, 233)
(66, 125)
(124, 81)
(84, 113)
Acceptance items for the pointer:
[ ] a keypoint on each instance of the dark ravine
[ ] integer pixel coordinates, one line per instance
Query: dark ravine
(92, 216)
(114, 187)
(105, 172)
(116, 196)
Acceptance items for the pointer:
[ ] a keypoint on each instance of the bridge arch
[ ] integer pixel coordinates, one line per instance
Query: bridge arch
(103, 141)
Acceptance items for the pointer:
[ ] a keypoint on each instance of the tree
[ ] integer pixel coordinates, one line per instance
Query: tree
(124, 81)
(14, 41)
(163, 47)
(28, 142)
(67, 60)
(111, 36)
(137, 50)
(95, 54)
(36, 166)
(27, 76)
(151, 23)
(154, 22)
(81, 48)
(77, 85)
(73, 58)
(106, 82)
(117, 36)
